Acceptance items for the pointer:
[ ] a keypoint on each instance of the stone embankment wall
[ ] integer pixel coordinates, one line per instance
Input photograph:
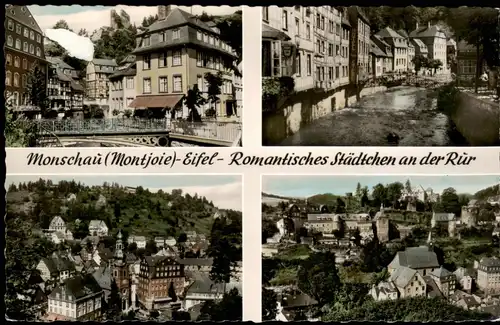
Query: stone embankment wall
(478, 120)
(304, 108)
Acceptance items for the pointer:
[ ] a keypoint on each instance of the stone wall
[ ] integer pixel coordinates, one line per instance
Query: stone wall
(477, 120)
(304, 108)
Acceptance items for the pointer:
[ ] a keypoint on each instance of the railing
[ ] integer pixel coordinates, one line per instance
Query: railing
(225, 131)
(210, 129)
(91, 126)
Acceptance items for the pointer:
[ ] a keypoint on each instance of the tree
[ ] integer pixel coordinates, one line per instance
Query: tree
(114, 309)
(193, 99)
(394, 191)
(419, 62)
(171, 292)
(214, 82)
(19, 131)
(434, 65)
(479, 27)
(62, 24)
(269, 304)
(151, 247)
(340, 207)
(408, 187)
(358, 193)
(230, 308)
(449, 202)
(420, 309)
(318, 276)
(36, 88)
(268, 230)
(224, 248)
(23, 250)
(379, 195)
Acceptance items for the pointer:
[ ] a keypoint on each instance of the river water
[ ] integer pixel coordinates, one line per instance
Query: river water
(408, 112)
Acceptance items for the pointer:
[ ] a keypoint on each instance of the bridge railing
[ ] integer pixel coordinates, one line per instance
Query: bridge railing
(114, 125)
(217, 130)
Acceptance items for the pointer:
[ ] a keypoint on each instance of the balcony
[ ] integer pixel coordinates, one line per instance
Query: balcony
(319, 84)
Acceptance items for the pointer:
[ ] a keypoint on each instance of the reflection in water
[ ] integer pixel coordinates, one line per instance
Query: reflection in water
(406, 111)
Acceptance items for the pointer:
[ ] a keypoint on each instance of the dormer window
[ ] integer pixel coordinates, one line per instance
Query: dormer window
(10, 25)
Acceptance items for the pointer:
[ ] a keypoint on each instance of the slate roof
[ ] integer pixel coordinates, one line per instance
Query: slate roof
(177, 18)
(432, 288)
(402, 276)
(152, 261)
(203, 284)
(58, 263)
(490, 261)
(131, 71)
(297, 300)
(59, 63)
(62, 76)
(415, 258)
(426, 31)
(106, 62)
(390, 35)
(403, 33)
(420, 44)
(97, 224)
(103, 277)
(441, 273)
(196, 261)
(78, 287)
(376, 50)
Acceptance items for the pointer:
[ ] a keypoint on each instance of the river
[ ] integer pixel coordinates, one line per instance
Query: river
(408, 112)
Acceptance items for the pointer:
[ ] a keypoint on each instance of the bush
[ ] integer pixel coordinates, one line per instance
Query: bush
(447, 99)
(273, 89)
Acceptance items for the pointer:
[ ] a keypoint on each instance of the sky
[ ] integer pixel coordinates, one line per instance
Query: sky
(305, 186)
(94, 17)
(224, 191)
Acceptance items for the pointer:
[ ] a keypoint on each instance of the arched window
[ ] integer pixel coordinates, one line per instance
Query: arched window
(25, 64)
(32, 49)
(17, 62)
(9, 59)
(38, 52)
(15, 98)
(8, 77)
(10, 41)
(16, 79)
(18, 44)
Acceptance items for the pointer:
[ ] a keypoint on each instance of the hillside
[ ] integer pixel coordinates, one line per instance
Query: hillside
(140, 213)
(492, 192)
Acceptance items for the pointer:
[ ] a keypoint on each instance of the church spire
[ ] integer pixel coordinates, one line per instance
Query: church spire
(119, 246)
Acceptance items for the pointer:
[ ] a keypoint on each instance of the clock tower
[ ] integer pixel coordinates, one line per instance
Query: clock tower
(121, 272)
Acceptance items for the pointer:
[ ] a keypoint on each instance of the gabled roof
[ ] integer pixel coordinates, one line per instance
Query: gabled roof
(22, 15)
(388, 33)
(58, 263)
(376, 50)
(403, 33)
(107, 62)
(97, 224)
(78, 287)
(441, 273)
(55, 220)
(57, 61)
(415, 258)
(402, 276)
(177, 18)
(426, 31)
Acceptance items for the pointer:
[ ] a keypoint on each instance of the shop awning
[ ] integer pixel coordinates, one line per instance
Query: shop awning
(158, 101)
(273, 33)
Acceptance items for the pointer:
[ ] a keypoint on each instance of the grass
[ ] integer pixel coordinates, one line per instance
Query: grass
(295, 252)
(285, 276)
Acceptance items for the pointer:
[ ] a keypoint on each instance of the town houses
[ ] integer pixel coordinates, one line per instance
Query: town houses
(24, 50)
(77, 284)
(171, 56)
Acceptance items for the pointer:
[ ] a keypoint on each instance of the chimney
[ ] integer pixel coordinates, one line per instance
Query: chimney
(163, 12)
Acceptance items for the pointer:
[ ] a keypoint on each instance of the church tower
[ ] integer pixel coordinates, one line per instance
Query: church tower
(382, 224)
(121, 272)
